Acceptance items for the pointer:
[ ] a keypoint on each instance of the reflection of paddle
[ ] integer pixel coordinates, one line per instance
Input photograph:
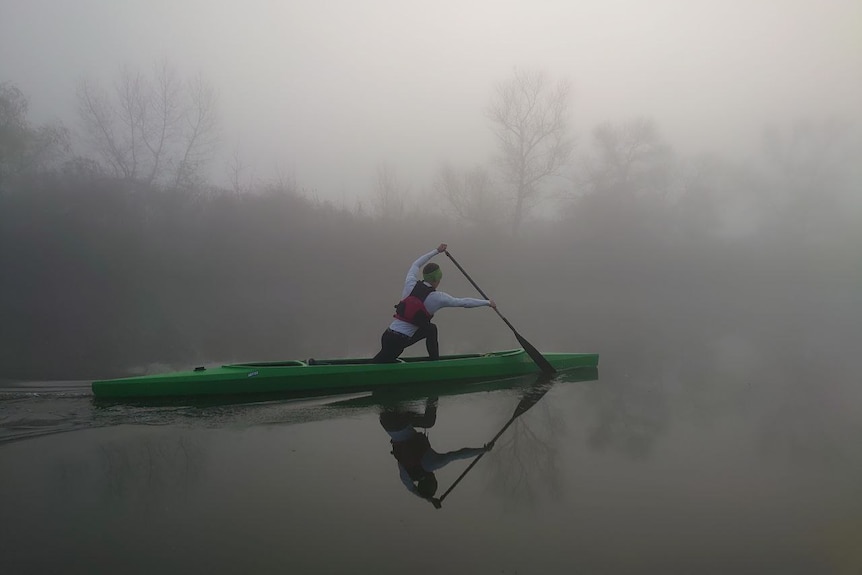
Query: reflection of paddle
(531, 398)
(540, 360)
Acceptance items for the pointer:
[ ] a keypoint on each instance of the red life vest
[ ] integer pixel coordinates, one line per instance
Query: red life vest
(412, 308)
(409, 454)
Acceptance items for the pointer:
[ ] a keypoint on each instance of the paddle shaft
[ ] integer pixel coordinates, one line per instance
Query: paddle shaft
(475, 461)
(478, 289)
(540, 360)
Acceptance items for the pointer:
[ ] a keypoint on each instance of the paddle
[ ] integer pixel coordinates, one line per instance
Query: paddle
(540, 360)
(531, 398)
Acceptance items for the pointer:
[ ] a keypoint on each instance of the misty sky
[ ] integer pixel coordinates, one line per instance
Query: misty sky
(327, 90)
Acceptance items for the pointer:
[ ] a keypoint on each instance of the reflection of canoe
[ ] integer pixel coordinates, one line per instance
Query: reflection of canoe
(331, 376)
(397, 394)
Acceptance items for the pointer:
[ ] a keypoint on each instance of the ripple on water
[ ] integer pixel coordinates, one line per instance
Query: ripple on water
(35, 409)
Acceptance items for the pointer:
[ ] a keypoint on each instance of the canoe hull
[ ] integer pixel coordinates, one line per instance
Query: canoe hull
(330, 376)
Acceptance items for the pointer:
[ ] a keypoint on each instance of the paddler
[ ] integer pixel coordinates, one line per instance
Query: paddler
(420, 300)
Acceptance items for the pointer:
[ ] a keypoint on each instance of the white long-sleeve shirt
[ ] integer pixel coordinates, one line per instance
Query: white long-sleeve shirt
(435, 301)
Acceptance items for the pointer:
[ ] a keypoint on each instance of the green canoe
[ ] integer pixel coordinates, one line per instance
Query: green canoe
(332, 376)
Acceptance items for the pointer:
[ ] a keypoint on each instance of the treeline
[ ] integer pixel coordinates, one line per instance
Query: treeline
(103, 274)
(100, 276)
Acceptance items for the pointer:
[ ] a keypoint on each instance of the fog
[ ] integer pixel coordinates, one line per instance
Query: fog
(326, 93)
(702, 180)
(674, 185)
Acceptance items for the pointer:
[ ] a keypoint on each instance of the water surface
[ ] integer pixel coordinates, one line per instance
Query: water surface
(731, 459)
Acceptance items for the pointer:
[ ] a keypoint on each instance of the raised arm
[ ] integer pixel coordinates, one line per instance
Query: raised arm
(415, 273)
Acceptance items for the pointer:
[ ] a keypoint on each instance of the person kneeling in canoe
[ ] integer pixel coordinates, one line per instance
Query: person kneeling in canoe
(417, 460)
(420, 300)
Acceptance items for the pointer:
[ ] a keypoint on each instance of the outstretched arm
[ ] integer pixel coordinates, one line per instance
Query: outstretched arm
(445, 300)
(432, 461)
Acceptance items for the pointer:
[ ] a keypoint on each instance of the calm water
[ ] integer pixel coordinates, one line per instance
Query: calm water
(724, 456)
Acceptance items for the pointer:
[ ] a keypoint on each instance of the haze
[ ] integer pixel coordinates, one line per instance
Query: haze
(674, 185)
(325, 92)
(698, 160)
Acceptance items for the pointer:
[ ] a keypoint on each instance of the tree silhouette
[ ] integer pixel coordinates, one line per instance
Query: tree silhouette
(155, 129)
(529, 120)
(470, 194)
(25, 149)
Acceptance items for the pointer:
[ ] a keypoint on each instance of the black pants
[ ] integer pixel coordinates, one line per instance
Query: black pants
(393, 344)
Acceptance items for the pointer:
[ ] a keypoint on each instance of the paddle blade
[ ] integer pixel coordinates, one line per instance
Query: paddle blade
(540, 360)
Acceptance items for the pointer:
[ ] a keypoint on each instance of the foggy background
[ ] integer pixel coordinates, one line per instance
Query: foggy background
(205, 182)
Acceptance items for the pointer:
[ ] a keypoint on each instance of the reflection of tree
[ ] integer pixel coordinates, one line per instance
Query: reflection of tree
(523, 465)
(149, 469)
(629, 417)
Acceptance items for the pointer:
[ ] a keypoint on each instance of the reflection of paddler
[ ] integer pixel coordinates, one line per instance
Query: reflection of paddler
(417, 460)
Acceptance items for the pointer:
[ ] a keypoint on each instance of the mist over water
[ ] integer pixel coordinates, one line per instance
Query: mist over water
(715, 422)
(192, 184)
(676, 459)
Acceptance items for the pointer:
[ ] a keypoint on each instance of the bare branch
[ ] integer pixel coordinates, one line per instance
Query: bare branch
(529, 119)
(99, 117)
(158, 129)
(631, 158)
(200, 131)
(164, 104)
(389, 194)
(470, 194)
(130, 91)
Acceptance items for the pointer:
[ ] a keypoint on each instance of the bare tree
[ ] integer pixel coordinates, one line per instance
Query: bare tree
(98, 116)
(235, 171)
(156, 130)
(166, 98)
(199, 131)
(389, 194)
(626, 182)
(530, 120)
(470, 194)
(631, 158)
(14, 129)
